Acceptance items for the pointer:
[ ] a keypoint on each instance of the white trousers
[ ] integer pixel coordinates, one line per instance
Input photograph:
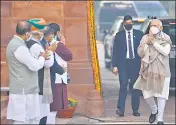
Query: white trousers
(51, 118)
(32, 121)
(160, 107)
(23, 108)
(27, 122)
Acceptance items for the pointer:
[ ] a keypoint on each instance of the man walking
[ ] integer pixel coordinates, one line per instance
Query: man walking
(154, 78)
(23, 106)
(126, 63)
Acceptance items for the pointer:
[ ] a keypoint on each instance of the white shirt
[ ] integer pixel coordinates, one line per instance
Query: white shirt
(131, 34)
(24, 56)
(61, 62)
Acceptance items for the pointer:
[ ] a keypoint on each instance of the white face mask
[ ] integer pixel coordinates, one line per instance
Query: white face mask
(55, 37)
(155, 30)
(29, 37)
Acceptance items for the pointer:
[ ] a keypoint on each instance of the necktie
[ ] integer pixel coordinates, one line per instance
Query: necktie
(130, 46)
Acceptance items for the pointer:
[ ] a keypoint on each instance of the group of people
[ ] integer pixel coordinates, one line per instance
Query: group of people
(142, 61)
(37, 60)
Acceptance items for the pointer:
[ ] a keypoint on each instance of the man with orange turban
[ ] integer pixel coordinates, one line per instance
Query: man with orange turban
(44, 74)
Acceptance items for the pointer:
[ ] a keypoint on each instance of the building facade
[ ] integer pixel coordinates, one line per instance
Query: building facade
(73, 17)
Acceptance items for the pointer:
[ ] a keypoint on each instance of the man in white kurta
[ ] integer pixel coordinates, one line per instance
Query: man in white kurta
(163, 50)
(23, 106)
(35, 49)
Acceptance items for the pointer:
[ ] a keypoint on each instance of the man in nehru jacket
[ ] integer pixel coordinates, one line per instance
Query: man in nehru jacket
(45, 74)
(23, 105)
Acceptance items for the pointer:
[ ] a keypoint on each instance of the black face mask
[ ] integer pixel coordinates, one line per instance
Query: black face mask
(128, 26)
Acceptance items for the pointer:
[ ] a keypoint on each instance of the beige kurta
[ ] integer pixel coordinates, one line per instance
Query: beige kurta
(165, 93)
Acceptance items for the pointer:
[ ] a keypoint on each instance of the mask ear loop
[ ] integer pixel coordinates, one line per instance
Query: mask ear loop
(30, 36)
(27, 33)
(161, 28)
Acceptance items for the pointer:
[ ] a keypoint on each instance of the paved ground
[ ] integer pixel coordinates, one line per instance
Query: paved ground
(110, 94)
(110, 88)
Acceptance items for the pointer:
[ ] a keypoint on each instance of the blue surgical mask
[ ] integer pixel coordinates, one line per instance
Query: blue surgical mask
(55, 37)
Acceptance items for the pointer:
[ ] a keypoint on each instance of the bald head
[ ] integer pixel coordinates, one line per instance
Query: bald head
(23, 27)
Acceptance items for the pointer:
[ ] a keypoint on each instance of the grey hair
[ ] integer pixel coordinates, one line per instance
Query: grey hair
(35, 35)
(161, 23)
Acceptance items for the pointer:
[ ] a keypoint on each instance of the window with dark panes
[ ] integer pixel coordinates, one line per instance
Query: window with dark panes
(110, 14)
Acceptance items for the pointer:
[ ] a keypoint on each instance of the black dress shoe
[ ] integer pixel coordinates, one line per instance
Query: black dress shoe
(160, 123)
(120, 113)
(152, 117)
(136, 113)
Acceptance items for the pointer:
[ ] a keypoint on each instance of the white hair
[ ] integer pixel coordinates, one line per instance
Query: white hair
(160, 23)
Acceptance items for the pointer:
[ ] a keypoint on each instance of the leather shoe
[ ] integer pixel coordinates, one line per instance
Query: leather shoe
(152, 117)
(160, 123)
(136, 113)
(120, 113)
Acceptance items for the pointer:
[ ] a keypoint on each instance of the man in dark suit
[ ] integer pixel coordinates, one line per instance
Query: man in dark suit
(126, 63)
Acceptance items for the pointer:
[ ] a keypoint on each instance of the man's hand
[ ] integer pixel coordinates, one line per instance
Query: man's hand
(65, 68)
(45, 54)
(62, 38)
(151, 38)
(115, 70)
(52, 47)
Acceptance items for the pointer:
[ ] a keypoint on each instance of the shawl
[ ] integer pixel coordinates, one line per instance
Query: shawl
(153, 65)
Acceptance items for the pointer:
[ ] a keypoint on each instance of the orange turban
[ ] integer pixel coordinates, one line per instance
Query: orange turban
(37, 23)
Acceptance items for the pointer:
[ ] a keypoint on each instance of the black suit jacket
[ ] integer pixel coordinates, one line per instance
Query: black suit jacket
(120, 47)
